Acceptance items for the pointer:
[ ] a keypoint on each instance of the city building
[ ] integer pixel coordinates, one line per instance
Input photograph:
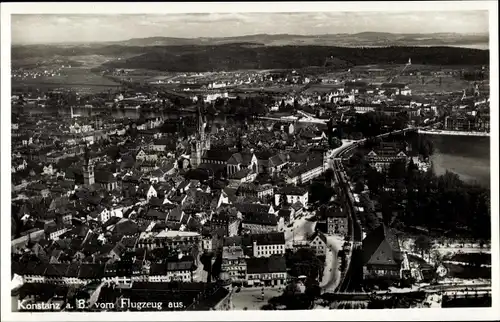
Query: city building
(319, 243)
(234, 265)
(337, 223)
(306, 172)
(292, 194)
(383, 156)
(256, 223)
(266, 271)
(268, 244)
(201, 143)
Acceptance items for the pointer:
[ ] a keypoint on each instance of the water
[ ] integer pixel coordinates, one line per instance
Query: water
(467, 156)
(116, 113)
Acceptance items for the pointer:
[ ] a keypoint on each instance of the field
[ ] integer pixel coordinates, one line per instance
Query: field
(80, 79)
(320, 88)
(419, 84)
(273, 89)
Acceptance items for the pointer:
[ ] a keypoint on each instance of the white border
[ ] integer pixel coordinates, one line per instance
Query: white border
(144, 8)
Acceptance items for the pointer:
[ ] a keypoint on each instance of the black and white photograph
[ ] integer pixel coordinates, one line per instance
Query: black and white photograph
(328, 161)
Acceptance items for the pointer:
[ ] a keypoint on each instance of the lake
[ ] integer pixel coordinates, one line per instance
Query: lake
(467, 156)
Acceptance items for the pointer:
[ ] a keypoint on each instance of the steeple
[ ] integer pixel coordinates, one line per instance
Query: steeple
(88, 169)
(201, 143)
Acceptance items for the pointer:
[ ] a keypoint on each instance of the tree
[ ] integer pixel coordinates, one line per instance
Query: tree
(329, 175)
(282, 106)
(422, 244)
(357, 136)
(283, 200)
(371, 221)
(437, 258)
(397, 170)
(359, 186)
(357, 158)
(305, 262)
(375, 180)
(319, 192)
(334, 142)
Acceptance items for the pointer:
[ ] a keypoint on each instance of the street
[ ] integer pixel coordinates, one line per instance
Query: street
(331, 274)
(299, 231)
(200, 275)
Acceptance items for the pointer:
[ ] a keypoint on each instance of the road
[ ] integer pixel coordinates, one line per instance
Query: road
(299, 231)
(331, 274)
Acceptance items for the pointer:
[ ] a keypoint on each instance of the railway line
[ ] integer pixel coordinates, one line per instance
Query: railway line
(356, 234)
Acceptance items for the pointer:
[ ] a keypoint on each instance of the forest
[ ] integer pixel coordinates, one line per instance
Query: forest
(236, 56)
(444, 205)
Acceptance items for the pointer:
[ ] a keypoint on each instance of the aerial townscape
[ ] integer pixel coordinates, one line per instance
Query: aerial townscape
(265, 172)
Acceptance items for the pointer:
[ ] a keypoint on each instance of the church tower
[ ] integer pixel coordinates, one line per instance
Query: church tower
(201, 143)
(88, 169)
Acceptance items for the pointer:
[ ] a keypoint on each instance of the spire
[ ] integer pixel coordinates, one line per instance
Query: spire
(86, 155)
(201, 123)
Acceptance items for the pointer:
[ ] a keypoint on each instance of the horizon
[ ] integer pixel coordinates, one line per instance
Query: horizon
(33, 29)
(247, 35)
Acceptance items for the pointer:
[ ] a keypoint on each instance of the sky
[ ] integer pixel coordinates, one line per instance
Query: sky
(49, 28)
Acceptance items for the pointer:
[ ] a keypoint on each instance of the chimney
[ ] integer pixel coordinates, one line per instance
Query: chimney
(254, 248)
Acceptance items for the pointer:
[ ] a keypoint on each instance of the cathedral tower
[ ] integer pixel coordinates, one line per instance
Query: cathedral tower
(201, 143)
(88, 169)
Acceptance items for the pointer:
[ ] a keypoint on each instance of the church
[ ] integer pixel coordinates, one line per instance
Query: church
(201, 143)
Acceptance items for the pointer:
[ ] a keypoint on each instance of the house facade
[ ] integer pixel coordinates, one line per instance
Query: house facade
(267, 271)
(337, 224)
(318, 243)
(383, 156)
(293, 194)
(266, 245)
(234, 265)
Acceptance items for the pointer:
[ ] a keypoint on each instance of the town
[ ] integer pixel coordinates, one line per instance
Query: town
(247, 191)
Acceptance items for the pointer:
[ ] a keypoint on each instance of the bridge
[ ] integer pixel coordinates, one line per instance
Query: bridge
(309, 118)
(303, 118)
(456, 133)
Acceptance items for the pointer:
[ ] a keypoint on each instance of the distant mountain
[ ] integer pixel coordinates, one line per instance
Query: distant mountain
(363, 39)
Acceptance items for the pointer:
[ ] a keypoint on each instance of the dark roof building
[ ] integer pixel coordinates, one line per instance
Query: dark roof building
(381, 253)
(273, 264)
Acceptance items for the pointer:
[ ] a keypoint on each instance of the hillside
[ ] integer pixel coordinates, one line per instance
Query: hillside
(365, 39)
(233, 57)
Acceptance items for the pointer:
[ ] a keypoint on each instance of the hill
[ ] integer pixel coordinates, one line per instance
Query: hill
(365, 39)
(236, 56)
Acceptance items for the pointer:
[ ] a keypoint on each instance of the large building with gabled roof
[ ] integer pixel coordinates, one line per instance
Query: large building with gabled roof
(382, 256)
